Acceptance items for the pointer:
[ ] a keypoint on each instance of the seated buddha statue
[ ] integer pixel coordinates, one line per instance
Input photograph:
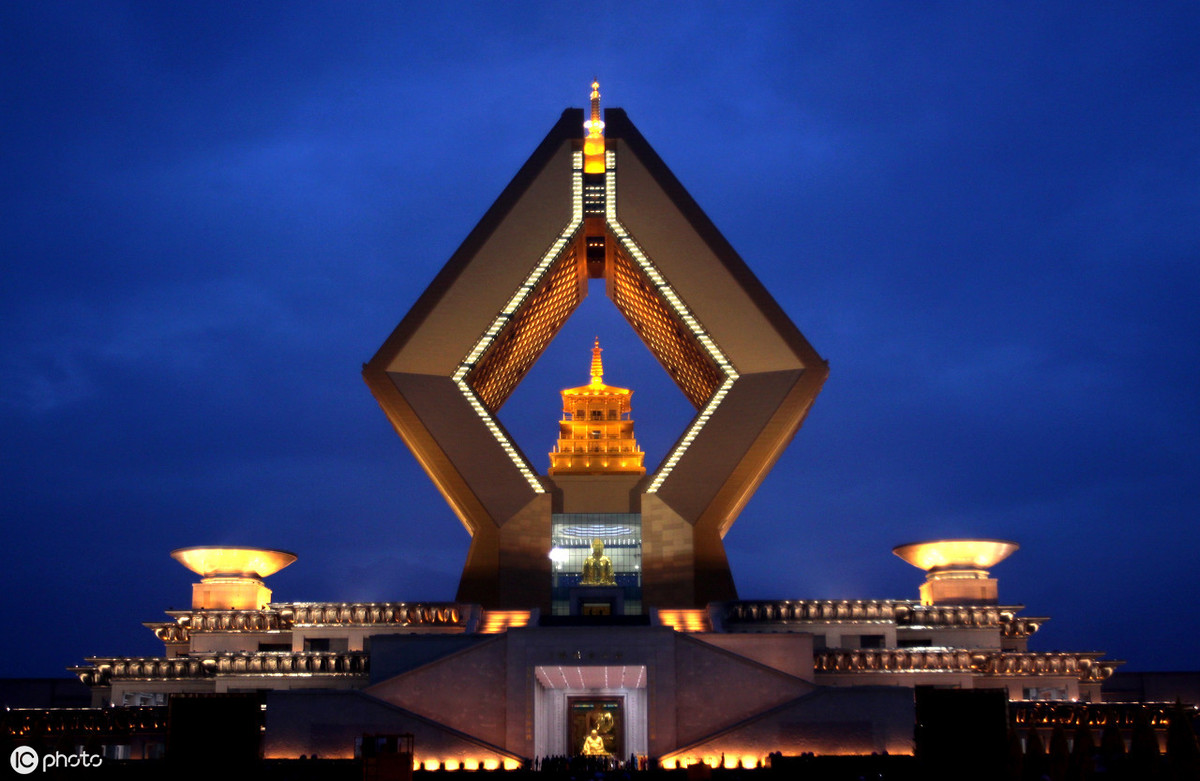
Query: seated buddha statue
(597, 568)
(593, 745)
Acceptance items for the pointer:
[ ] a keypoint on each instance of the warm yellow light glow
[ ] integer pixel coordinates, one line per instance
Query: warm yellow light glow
(749, 761)
(501, 319)
(470, 764)
(491, 764)
(596, 418)
(431, 764)
(955, 554)
(208, 562)
(667, 293)
(497, 621)
(511, 764)
(669, 764)
(686, 620)
(593, 144)
(451, 764)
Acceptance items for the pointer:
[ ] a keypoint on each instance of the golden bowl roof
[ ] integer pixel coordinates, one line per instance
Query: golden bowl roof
(955, 554)
(209, 562)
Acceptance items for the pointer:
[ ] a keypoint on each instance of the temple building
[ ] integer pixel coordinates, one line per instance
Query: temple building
(596, 612)
(595, 436)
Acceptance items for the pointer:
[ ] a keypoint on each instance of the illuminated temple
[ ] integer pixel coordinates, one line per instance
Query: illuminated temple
(596, 601)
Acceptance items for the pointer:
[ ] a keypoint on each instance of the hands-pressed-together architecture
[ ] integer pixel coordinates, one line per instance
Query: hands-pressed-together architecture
(596, 611)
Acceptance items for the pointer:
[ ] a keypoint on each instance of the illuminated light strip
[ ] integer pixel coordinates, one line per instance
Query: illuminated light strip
(667, 293)
(514, 303)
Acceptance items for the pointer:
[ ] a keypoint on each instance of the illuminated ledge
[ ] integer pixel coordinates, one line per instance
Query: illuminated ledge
(1022, 627)
(51, 722)
(169, 632)
(1123, 715)
(1085, 666)
(359, 613)
(689, 620)
(697, 330)
(665, 294)
(101, 670)
(497, 621)
(906, 613)
(285, 615)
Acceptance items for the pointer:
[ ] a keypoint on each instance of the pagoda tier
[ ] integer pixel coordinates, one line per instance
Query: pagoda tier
(595, 435)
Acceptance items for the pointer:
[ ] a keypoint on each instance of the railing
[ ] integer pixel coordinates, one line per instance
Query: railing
(904, 613)
(103, 670)
(1027, 713)
(31, 723)
(287, 615)
(1085, 666)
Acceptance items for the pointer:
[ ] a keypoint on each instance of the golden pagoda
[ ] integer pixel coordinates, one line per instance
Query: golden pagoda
(595, 435)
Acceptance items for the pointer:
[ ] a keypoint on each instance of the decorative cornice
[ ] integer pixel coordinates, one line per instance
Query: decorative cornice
(1087, 667)
(284, 616)
(33, 723)
(1019, 626)
(907, 614)
(1125, 715)
(103, 670)
(902, 612)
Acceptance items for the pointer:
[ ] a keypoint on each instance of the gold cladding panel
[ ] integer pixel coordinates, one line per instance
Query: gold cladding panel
(689, 366)
(530, 331)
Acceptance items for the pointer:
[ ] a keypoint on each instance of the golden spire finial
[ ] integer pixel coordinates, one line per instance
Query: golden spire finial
(593, 143)
(597, 364)
(596, 105)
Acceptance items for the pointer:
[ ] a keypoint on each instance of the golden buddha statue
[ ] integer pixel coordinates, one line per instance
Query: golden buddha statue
(593, 745)
(597, 568)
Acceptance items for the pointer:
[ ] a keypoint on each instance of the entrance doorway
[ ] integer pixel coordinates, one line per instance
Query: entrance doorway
(572, 700)
(602, 717)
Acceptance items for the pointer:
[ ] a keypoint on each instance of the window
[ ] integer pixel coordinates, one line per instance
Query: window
(871, 641)
(915, 642)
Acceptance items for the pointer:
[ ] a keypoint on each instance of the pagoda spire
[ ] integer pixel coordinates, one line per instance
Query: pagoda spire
(593, 143)
(597, 365)
(595, 433)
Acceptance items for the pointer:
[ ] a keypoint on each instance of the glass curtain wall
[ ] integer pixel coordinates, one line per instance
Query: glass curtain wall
(571, 543)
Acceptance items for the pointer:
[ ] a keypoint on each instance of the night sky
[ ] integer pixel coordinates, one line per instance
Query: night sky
(985, 216)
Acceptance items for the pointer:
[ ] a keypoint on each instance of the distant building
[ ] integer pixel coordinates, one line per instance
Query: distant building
(596, 602)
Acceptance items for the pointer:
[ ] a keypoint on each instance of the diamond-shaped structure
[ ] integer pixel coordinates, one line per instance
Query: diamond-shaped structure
(601, 208)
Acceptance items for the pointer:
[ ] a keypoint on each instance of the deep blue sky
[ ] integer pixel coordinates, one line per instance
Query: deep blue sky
(985, 216)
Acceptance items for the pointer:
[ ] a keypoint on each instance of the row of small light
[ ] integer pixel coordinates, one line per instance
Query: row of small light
(514, 303)
(470, 763)
(681, 310)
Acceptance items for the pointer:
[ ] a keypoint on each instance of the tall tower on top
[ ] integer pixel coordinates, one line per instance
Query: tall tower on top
(595, 435)
(599, 205)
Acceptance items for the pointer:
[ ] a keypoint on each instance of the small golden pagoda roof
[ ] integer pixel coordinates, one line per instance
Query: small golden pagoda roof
(597, 387)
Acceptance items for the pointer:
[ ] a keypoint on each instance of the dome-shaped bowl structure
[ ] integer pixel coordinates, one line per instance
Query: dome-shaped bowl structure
(212, 561)
(937, 555)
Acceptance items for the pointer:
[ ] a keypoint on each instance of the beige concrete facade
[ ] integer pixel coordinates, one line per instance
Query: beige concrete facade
(736, 355)
(487, 681)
